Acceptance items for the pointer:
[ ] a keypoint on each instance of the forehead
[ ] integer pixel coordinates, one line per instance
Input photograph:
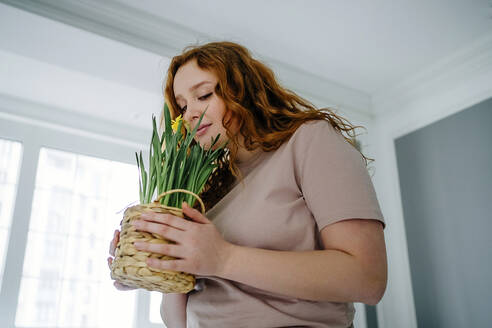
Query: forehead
(189, 75)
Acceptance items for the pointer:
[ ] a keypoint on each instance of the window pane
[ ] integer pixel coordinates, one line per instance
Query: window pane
(44, 255)
(38, 302)
(10, 155)
(76, 207)
(51, 209)
(3, 248)
(7, 196)
(78, 303)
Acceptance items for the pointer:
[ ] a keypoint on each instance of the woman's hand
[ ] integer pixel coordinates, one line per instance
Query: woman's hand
(112, 248)
(199, 247)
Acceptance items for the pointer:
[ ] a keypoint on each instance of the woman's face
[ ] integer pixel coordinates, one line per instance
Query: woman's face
(194, 90)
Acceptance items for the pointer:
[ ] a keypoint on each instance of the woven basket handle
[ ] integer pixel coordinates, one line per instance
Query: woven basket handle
(183, 191)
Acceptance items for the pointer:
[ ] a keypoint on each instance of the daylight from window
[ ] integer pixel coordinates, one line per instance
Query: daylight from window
(78, 202)
(10, 155)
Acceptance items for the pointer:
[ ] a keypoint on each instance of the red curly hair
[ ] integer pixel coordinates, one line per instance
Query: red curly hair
(267, 114)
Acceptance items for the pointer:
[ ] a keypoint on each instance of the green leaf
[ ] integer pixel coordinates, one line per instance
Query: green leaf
(140, 190)
(182, 164)
(143, 174)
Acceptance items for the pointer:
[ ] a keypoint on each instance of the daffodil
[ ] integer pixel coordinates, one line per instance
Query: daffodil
(175, 123)
(175, 162)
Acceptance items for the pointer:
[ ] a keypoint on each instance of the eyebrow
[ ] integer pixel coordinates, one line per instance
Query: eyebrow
(196, 86)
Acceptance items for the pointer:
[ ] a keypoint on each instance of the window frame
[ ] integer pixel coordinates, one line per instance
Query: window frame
(65, 131)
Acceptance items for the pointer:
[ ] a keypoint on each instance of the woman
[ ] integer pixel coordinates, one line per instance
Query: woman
(301, 237)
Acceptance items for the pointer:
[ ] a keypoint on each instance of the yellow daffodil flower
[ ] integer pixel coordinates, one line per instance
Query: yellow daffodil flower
(175, 123)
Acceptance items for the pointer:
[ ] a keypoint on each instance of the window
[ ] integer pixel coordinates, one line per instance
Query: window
(77, 204)
(10, 155)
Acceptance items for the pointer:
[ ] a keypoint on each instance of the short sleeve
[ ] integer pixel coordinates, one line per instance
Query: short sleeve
(332, 176)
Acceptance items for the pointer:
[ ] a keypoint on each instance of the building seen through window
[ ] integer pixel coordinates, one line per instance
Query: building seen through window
(65, 280)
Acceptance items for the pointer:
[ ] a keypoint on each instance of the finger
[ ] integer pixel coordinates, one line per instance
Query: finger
(110, 261)
(120, 286)
(165, 249)
(194, 214)
(165, 231)
(171, 220)
(114, 242)
(171, 265)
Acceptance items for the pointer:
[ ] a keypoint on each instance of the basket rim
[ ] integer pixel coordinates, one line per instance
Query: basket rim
(179, 190)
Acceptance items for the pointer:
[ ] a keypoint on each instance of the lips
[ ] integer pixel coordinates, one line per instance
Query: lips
(203, 126)
(202, 129)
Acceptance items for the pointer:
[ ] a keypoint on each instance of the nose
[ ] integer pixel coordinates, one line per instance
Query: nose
(193, 112)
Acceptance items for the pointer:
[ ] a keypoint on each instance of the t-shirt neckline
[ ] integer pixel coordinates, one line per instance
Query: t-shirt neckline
(245, 167)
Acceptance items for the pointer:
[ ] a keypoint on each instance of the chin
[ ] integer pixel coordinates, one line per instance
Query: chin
(204, 144)
(206, 140)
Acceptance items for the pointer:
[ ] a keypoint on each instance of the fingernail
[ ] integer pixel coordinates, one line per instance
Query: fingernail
(138, 244)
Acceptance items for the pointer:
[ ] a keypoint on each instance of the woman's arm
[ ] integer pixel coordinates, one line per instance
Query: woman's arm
(351, 268)
(173, 310)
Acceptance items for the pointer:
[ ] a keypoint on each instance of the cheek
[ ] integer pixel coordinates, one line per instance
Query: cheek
(219, 107)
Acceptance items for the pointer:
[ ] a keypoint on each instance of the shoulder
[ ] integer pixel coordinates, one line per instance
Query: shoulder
(319, 141)
(314, 128)
(313, 139)
(315, 132)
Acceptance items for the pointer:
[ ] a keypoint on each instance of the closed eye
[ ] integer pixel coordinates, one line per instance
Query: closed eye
(202, 98)
(205, 96)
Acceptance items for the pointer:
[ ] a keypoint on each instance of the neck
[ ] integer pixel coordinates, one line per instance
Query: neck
(244, 155)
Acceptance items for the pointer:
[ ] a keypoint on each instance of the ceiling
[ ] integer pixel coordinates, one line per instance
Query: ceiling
(364, 45)
(345, 53)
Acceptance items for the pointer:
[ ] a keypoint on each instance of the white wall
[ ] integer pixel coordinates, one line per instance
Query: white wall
(459, 85)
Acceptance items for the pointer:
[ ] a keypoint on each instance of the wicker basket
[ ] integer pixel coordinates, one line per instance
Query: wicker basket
(129, 265)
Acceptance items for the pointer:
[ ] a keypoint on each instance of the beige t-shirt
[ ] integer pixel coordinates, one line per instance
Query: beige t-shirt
(314, 179)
